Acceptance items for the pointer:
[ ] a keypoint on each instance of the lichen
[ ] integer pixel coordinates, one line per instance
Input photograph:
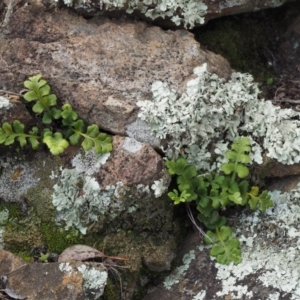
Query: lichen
(80, 201)
(212, 112)
(4, 103)
(94, 280)
(180, 271)
(4, 214)
(16, 179)
(191, 11)
(89, 162)
(277, 233)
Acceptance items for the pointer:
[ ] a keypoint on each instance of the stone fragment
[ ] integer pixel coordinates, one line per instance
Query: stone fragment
(43, 281)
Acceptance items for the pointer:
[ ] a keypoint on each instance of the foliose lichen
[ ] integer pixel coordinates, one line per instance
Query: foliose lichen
(191, 11)
(213, 112)
(4, 103)
(80, 201)
(180, 271)
(278, 233)
(94, 280)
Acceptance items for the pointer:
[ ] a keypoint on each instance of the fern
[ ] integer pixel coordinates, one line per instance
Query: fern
(15, 132)
(211, 192)
(71, 131)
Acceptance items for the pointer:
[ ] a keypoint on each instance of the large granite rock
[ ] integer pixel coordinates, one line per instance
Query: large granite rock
(99, 66)
(66, 280)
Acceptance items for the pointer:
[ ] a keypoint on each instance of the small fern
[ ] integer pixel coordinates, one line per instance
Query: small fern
(211, 192)
(72, 130)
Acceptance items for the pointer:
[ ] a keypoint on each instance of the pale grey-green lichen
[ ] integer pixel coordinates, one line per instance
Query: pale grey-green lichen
(94, 280)
(212, 109)
(192, 12)
(277, 264)
(80, 201)
(160, 186)
(4, 103)
(180, 271)
(16, 178)
(89, 162)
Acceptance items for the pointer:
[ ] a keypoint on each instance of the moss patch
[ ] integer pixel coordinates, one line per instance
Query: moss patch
(57, 239)
(248, 41)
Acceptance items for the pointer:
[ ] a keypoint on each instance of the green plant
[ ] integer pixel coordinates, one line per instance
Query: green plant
(69, 128)
(213, 192)
(44, 257)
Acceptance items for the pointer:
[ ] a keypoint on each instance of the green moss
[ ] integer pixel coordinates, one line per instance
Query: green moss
(112, 291)
(13, 209)
(247, 41)
(25, 256)
(57, 239)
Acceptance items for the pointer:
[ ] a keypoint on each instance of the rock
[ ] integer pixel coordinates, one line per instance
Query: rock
(165, 13)
(289, 46)
(101, 67)
(89, 199)
(270, 265)
(11, 108)
(67, 280)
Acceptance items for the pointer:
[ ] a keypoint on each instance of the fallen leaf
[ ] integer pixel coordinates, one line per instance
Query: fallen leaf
(80, 253)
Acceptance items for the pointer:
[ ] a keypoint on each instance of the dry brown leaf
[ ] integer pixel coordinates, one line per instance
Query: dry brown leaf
(79, 252)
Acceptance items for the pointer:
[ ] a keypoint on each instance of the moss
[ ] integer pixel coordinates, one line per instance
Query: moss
(25, 256)
(57, 239)
(247, 41)
(112, 290)
(13, 209)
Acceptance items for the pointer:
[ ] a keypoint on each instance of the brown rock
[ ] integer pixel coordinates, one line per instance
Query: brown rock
(100, 67)
(57, 281)
(14, 110)
(132, 163)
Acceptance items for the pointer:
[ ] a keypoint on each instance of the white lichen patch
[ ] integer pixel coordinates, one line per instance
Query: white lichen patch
(160, 186)
(94, 280)
(180, 271)
(200, 296)
(4, 103)
(66, 268)
(131, 145)
(89, 162)
(15, 179)
(270, 249)
(212, 109)
(80, 201)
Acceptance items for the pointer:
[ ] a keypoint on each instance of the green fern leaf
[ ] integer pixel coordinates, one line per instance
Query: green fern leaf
(56, 143)
(176, 167)
(263, 200)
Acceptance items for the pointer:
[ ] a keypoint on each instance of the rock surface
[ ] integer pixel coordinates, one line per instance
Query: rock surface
(290, 45)
(102, 68)
(98, 199)
(166, 13)
(270, 266)
(68, 280)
